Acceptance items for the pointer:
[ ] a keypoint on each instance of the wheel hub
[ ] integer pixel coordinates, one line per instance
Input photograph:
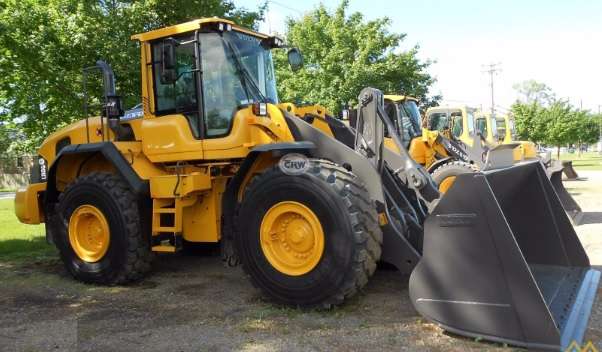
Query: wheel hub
(292, 238)
(89, 233)
(446, 184)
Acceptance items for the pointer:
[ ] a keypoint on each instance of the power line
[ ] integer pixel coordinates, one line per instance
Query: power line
(284, 6)
(267, 8)
(492, 70)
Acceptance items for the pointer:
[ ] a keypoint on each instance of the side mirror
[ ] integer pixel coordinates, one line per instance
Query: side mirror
(295, 59)
(169, 69)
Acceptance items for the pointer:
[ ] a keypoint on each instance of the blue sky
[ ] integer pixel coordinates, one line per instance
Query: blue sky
(555, 42)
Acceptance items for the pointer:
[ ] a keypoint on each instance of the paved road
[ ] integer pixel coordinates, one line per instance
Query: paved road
(7, 195)
(586, 192)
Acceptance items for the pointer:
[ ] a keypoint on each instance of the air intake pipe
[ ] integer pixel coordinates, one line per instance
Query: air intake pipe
(112, 106)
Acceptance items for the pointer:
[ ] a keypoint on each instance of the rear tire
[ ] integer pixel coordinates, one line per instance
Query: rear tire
(128, 256)
(352, 236)
(445, 174)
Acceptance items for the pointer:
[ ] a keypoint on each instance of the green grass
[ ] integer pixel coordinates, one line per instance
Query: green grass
(587, 161)
(21, 242)
(7, 190)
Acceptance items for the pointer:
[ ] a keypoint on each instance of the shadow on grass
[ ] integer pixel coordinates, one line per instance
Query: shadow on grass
(483, 343)
(18, 250)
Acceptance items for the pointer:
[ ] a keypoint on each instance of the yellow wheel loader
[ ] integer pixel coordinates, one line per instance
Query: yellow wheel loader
(305, 204)
(448, 145)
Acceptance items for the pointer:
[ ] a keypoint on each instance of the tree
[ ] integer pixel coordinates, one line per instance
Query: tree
(529, 121)
(588, 129)
(561, 126)
(532, 91)
(345, 53)
(45, 44)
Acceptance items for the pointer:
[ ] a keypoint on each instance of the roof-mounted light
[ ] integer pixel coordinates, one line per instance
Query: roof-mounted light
(224, 27)
(273, 42)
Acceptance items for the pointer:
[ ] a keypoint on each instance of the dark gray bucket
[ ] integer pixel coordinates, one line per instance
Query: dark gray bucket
(569, 204)
(501, 261)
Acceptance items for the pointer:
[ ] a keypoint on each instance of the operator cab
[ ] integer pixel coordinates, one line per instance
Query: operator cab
(203, 81)
(233, 69)
(486, 126)
(458, 122)
(405, 115)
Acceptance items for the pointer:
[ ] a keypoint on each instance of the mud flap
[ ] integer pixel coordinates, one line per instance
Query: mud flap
(569, 204)
(501, 261)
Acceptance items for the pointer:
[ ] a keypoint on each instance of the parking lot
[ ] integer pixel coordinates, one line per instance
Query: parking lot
(191, 302)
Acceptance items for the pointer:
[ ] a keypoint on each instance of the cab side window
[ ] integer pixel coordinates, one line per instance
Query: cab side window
(390, 110)
(482, 126)
(457, 127)
(179, 97)
(470, 122)
(501, 128)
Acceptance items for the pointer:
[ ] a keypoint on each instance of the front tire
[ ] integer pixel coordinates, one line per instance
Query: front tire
(284, 220)
(445, 175)
(98, 231)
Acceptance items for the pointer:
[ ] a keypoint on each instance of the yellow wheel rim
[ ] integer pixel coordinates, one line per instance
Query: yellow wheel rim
(292, 238)
(89, 233)
(446, 184)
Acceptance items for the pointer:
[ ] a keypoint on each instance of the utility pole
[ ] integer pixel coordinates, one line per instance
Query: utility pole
(492, 69)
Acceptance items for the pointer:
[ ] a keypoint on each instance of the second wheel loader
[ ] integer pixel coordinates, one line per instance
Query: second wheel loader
(307, 207)
(458, 140)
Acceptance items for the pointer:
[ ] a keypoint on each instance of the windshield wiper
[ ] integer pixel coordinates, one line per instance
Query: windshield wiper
(244, 75)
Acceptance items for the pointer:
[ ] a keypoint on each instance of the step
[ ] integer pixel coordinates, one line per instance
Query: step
(164, 248)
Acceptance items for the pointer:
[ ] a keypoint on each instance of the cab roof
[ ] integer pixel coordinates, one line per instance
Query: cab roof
(450, 108)
(399, 98)
(497, 116)
(191, 26)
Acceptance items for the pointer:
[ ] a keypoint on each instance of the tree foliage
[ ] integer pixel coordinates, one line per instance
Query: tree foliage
(44, 44)
(532, 91)
(558, 124)
(344, 53)
(529, 122)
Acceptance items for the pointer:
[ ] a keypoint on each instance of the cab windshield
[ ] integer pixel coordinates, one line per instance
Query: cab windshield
(253, 66)
(237, 71)
(410, 115)
(449, 120)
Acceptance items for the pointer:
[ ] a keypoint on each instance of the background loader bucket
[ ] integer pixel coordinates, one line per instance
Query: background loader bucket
(568, 203)
(501, 261)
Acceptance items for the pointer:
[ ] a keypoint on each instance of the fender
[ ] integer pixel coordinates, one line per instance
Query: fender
(336, 151)
(111, 153)
(229, 198)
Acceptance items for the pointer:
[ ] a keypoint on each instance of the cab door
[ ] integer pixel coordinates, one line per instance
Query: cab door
(171, 127)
